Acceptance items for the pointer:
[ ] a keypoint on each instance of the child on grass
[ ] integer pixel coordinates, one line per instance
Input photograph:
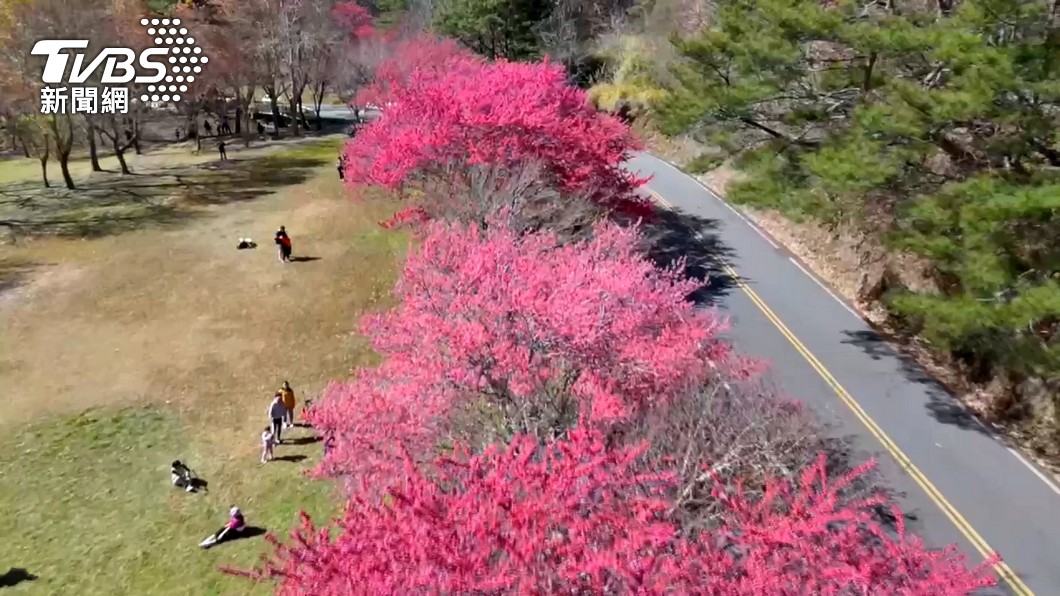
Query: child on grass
(267, 441)
(235, 526)
(181, 476)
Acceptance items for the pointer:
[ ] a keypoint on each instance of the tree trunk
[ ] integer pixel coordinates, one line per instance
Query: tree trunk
(93, 150)
(248, 126)
(44, 170)
(43, 161)
(120, 154)
(239, 119)
(63, 146)
(294, 105)
(318, 100)
(136, 136)
(117, 133)
(64, 166)
(274, 103)
(301, 113)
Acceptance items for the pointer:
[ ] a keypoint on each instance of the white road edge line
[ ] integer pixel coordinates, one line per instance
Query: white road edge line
(826, 289)
(720, 200)
(752, 225)
(1034, 470)
(991, 432)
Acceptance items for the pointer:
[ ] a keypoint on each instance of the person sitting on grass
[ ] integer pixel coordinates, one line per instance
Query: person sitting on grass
(181, 476)
(236, 524)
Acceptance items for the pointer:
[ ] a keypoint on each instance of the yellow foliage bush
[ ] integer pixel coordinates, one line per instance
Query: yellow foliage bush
(632, 61)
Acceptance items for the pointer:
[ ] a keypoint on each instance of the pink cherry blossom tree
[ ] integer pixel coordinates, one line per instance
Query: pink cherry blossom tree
(354, 19)
(574, 516)
(400, 57)
(452, 114)
(521, 332)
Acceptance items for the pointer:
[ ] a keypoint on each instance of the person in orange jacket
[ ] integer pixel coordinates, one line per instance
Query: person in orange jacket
(287, 394)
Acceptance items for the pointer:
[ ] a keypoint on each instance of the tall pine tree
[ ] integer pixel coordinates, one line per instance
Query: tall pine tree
(939, 118)
(494, 28)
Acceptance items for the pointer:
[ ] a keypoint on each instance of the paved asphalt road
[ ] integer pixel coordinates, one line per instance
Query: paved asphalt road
(960, 483)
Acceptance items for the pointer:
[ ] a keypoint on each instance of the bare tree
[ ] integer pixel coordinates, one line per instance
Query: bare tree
(235, 32)
(53, 19)
(119, 131)
(91, 132)
(299, 36)
(735, 433)
(35, 138)
(572, 26)
(62, 133)
(326, 46)
(266, 15)
(525, 191)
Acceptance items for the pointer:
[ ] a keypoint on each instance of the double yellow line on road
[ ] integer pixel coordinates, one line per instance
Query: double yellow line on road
(1001, 568)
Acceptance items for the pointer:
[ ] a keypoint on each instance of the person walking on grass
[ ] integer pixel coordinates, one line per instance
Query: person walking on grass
(221, 150)
(288, 402)
(277, 411)
(283, 241)
(267, 441)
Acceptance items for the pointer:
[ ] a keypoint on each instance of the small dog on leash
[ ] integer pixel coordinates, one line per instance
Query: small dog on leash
(245, 243)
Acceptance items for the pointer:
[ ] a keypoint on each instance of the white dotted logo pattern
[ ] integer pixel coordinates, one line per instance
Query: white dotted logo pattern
(185, 59)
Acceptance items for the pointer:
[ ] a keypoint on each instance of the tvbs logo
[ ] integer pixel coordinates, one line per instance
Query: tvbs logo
(172, 46)
(118, 63)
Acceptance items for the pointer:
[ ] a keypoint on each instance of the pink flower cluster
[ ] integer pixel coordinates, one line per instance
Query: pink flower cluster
(447, 110)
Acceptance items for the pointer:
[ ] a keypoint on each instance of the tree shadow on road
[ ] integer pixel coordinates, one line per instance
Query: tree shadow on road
(941, 405)
(842, 456)
(672, 235)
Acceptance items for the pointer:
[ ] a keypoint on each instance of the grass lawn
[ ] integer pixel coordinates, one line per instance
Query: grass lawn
(134, 333)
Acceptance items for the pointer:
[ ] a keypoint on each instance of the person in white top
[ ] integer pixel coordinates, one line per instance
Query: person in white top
(266, 444)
